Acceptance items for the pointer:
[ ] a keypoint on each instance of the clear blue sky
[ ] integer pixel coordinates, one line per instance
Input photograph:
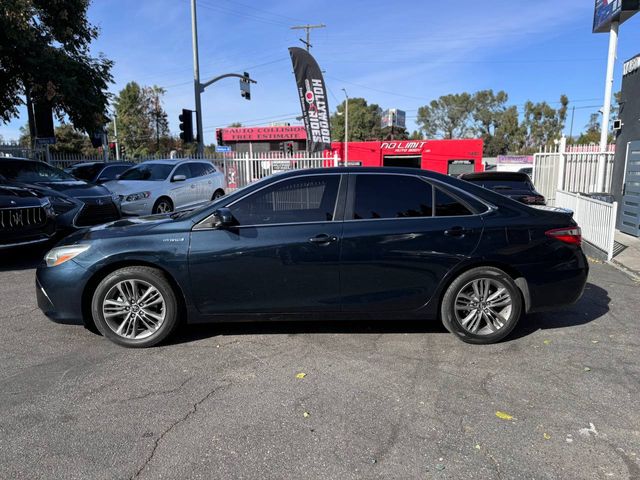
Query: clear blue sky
(396, 54)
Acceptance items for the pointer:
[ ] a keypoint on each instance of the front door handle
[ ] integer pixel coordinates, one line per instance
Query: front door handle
(457, 232)
(323, 239)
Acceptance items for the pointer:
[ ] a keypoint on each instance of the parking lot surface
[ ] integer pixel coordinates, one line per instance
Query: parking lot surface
(557, 400)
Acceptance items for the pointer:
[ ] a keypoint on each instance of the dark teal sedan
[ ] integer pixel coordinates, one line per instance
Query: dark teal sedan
(335, 243)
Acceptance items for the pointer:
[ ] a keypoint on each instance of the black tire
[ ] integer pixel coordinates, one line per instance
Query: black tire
(495, 277)
(160, 202)
(151, 276)
(217, 194)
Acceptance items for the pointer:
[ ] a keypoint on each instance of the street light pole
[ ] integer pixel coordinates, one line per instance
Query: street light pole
(196, 77)
(346, 128)
(115, 134)
(606, 108)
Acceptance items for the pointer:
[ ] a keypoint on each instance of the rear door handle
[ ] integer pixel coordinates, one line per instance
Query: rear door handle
(323, 239)
(457, 232)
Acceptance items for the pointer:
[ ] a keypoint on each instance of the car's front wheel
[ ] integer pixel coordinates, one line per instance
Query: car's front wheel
(481, 306)
(135, 307)
(163, 205)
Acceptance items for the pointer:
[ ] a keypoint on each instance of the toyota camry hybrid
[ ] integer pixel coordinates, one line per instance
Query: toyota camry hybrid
(324, 244)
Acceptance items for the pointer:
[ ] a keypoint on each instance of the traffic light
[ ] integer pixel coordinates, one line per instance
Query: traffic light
(186, 126)
(219, 140)
(289, 146)
(245, 87)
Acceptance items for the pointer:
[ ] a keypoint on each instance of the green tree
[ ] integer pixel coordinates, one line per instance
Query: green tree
(71, 141)
(543, 124)
(158, 119)
(235, 125)
(416, 135)
(448, 117)
(44, 56)
(496, 122)
(364, 121)
(134, 126)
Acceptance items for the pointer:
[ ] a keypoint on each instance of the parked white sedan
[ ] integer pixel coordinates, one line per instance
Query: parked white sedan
(162, 186)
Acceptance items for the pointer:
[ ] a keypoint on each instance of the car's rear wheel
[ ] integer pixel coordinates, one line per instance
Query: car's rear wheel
(217, 194)
(163, 205)
(135, 307)
(481, 306)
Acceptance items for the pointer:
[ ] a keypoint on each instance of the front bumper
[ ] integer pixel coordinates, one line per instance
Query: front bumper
(59, 291)
(137, 208)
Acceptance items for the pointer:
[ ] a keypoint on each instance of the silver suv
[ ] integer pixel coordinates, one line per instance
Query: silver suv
(162, 186)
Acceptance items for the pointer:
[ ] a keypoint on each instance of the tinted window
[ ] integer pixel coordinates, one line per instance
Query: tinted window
(86, 172)
(307, 199)
(148, 171)
(391, 196)
(110, 173)
(201, 169)
(184, 169)
(447, 206)
(26, 171)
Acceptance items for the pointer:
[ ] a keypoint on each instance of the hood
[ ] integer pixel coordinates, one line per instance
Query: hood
(130, 227)
(127, 187)
(71, 188)
(15, 197)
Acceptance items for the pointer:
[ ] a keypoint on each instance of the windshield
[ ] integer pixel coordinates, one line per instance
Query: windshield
(86, 172)
(148, 171)
(28, 171)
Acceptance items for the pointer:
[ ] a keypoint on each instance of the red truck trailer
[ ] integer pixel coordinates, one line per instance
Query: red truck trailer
(451, 157)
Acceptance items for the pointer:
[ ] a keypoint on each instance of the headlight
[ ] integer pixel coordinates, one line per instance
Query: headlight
(137, 196)
(59, 255)
(61, 204)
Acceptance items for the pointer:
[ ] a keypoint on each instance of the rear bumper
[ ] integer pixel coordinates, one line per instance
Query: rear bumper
(558, 286)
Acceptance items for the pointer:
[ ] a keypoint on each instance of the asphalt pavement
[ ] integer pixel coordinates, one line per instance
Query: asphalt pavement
(331, 400)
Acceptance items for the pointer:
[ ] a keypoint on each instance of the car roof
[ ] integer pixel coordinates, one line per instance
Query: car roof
(175, 161)
(106, 164)
(506, 176)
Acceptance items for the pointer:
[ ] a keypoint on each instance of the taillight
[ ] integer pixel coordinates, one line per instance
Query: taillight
(571, 235)
(534, 200)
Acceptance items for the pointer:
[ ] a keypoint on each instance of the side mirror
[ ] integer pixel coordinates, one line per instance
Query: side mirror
(222, 218)
(178, 178)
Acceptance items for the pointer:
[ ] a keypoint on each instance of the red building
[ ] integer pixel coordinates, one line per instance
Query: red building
(450, 157)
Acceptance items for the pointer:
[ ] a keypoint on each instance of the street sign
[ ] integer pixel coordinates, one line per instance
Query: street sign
(45, 141)
(223, 149)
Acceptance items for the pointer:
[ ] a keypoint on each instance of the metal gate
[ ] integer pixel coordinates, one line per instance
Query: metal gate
(630, 211)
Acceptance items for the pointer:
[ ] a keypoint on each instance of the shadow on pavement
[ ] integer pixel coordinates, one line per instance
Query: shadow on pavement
(593, 305)
(23, 258)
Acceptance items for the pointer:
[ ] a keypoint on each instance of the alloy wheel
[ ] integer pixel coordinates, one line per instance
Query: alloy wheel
(483, 306)
(134, 309)
(163, 207)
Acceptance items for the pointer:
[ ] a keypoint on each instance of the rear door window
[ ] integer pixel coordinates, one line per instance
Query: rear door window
(391, 196)
(447, 206)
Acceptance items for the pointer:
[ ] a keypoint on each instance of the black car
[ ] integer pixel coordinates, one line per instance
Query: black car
(76, 203)
(335, 243)
(98, 172)
(514, 185)
(26, 217)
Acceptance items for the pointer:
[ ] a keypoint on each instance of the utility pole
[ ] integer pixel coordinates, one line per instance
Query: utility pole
(115, 134)
(606, 108)
(199, 87)
(308, 28)
(346, 128)
(573, 114)
(196, 76)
